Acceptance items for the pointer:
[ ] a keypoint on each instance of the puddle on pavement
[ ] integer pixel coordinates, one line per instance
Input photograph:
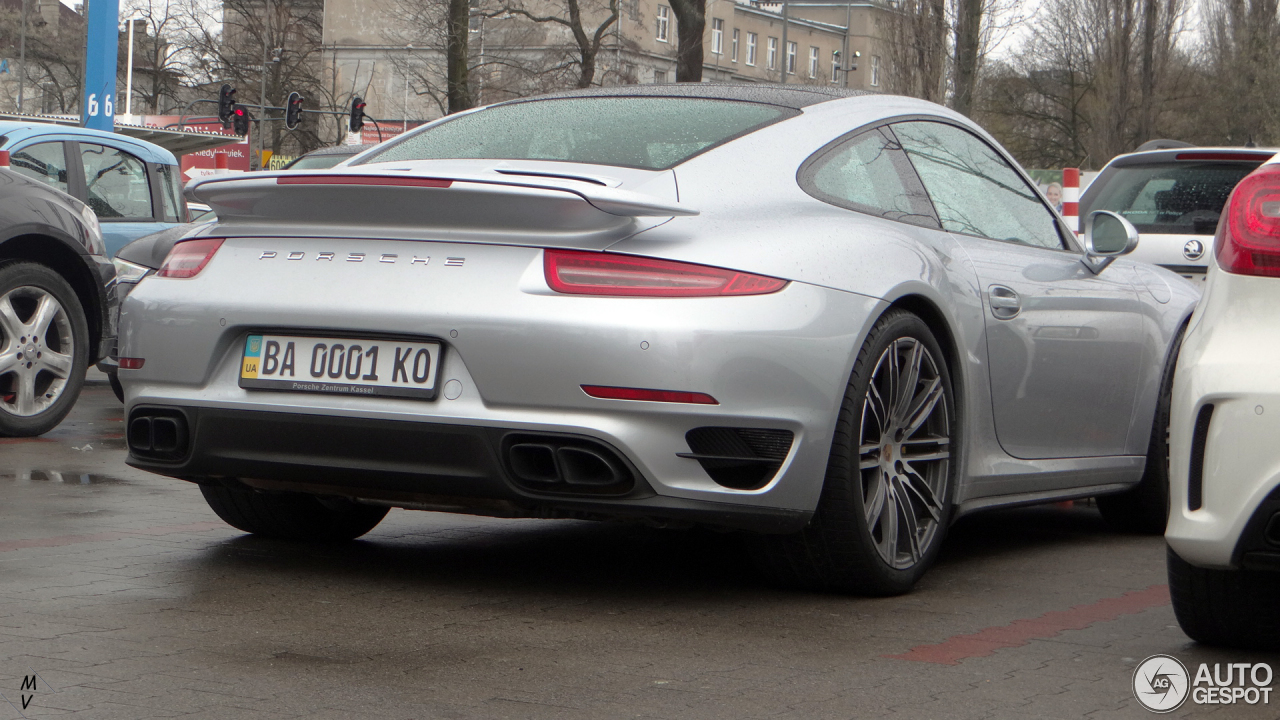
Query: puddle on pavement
(66, 478)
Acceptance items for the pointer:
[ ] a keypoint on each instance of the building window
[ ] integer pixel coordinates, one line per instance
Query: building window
(813, 62)
(875, 71)
(751, 49)
(717, 36)
(772, 57)
(835, 66)
(791, 58)
(733, 47)
(659, 77)
(664, 22)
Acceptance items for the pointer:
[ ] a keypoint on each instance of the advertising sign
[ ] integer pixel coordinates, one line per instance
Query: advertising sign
(234, 157)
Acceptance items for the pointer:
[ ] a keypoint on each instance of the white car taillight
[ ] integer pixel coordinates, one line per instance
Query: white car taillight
(1248, 241)
(189, 257)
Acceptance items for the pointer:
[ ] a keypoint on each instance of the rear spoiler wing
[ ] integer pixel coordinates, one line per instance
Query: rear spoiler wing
(456, 207)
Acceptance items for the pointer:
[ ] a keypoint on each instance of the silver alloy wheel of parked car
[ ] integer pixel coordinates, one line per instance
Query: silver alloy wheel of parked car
(39, 348)
(904, 452)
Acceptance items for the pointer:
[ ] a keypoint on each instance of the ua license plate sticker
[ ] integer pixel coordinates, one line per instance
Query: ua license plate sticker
(350, 366)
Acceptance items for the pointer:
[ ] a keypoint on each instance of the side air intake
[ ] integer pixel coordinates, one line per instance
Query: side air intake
(739, 458)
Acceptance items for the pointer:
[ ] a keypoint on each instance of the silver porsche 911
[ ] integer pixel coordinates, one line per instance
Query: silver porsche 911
(835, 320)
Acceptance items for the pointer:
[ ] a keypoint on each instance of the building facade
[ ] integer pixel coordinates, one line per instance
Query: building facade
(391, 52)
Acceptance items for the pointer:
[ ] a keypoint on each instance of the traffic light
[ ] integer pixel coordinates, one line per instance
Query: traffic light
(240, 120)
(226, 103)
(357, 114)
(293, 111)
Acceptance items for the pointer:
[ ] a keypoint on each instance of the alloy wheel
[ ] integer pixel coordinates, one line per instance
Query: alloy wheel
(904, 452)
(36, 350)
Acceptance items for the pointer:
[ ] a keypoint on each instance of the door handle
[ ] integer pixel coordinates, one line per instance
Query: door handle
(1005, 303)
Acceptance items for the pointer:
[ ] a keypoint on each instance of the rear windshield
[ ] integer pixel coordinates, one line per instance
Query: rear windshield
(316, 162)
(1183, 198)
(643, 132)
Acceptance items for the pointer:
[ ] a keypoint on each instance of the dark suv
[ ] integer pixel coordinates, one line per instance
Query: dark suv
(57, 302)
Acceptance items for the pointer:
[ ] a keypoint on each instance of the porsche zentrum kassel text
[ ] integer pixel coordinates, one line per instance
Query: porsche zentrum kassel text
(1162, 684)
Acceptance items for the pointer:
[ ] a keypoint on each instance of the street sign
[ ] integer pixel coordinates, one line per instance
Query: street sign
(97, 105)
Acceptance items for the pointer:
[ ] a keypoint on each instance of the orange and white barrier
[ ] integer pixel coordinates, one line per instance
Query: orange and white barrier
(1071, 197)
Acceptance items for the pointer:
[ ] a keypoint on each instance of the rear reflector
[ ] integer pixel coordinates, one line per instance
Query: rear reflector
(363, 180)
(670, 396)
(4, 158)
(595, 273)
(1248, 240)
(189, 257)
(131, 363)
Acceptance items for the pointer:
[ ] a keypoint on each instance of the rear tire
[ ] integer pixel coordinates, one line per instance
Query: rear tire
(1231, 608)
(1144, 508)
(886, 497)
(292, 516)
(44, 347)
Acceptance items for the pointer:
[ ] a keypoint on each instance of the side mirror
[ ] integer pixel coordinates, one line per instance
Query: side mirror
(1107, 236)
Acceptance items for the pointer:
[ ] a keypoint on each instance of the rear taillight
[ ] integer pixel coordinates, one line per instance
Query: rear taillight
(189, 257)
(594, 273)
(1248, 241)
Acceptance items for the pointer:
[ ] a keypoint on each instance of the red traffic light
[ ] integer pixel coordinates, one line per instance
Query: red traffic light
(240, 112)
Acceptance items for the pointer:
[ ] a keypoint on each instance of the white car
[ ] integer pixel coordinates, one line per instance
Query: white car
(1173, 196)
(1224, 522)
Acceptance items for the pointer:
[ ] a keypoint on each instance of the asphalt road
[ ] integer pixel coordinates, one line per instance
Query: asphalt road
(123, 596)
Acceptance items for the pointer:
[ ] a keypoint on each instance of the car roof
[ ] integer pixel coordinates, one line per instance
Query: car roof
(1193, 154)
(790, 96)
(17, 132)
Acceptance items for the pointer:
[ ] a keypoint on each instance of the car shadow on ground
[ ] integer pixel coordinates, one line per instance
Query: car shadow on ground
(611, 559)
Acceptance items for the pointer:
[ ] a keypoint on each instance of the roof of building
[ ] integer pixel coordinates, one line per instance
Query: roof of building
(790, 96)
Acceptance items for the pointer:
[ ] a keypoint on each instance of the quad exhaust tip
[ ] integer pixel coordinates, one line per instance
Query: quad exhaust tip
(158, 435)
(566, 465)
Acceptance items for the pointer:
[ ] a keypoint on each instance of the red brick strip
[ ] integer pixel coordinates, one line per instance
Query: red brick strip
(64, 540)
(1020, 632)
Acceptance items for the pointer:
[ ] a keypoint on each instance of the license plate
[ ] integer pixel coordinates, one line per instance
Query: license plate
(350, 366)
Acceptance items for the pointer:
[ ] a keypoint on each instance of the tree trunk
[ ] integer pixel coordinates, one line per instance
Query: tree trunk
(968, 46)
(691, 22)
(1147, 89)
(458, 27)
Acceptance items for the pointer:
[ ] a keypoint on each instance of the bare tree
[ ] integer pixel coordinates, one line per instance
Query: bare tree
(587, 41)
(527, 47)
(691, 23)
(916, 41)
(228, 44)
(54, 57)
(1241, 53)
(158, 65)
(1095, 79)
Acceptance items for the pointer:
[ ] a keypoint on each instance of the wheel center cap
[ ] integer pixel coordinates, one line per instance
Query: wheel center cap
(887, 453)
(30, 349)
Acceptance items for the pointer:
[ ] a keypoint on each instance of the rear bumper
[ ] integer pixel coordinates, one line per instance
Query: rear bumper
(416, 465)
(1225, 417)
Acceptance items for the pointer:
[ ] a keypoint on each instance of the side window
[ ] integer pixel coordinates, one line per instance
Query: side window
(868, 173)
(46, 162)
(170, 192)
(116, 183)
(973, 189)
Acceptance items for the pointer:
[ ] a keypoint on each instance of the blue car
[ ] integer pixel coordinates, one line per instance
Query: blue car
(134, 186)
